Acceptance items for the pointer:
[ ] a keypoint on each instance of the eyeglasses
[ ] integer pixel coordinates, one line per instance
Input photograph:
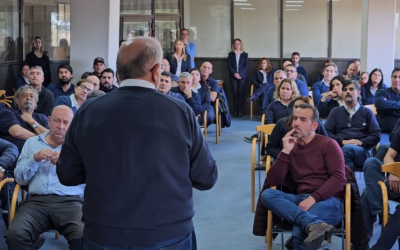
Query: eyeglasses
(349, 121)
(151, 70)
(85, 88)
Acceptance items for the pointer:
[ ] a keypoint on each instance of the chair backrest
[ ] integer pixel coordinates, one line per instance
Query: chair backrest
(371, 107)
(393, 168)
(265, 130)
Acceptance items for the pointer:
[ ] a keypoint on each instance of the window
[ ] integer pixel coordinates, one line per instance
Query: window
(9, 31)
(52, 23)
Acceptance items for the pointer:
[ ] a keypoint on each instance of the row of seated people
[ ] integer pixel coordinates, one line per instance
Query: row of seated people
(312, 170)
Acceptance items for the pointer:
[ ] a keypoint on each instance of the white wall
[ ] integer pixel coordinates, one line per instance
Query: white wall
(94, 33)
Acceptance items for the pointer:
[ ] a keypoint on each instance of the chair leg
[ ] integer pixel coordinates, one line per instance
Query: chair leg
(57, 236)
(251, 110)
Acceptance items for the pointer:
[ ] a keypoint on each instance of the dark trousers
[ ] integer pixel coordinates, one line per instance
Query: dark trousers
(210, 116)
(238, 93)
(43, 213)
(390, 233)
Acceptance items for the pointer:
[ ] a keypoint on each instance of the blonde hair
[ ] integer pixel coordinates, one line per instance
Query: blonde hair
(293, 85)
(33, 44)
(233, 45)
(183, 49)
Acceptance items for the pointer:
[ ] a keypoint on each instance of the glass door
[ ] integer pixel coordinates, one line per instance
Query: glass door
(166, 32)
(135, 26)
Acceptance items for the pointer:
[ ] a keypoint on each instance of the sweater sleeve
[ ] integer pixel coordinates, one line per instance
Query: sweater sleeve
(330, 126)
(231, 61)
(274, 141)
(278, 171)
(269, 114)
(382, 100)
(374, 132)
(254, 80)
(8, 154)
(316, 91)
(334, 161)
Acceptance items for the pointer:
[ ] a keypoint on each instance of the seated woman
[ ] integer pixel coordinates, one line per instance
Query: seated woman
(284, 125)
(178, 60)
(284, 95)
(200, 87)
(263, 77)
(23, 78)
(368, 90)
(364, 76)
(332, 99)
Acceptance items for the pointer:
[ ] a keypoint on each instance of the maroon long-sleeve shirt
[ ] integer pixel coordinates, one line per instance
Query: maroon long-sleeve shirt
(317, 168)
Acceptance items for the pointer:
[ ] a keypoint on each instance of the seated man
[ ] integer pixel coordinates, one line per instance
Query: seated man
(320, 87)
(74, 101)
(390, 233)
(315, 164)
(50, 205)
(387, 103)
(165, 85)
(185, 89)
(46, 99)
(206, 70)
(107, 81)
(372, 195)
(165, 67)
(18, 125)
(64, 85)
(93, 78)
(352, 72)
(354, 127)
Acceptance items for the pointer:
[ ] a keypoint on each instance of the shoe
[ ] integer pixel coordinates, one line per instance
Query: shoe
(317, 233)
(249, 100)
(38, 243)
(240, 114)
(250, 139)
(289, 243)
(263, 160)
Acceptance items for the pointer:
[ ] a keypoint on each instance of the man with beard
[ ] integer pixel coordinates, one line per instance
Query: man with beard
(352, 72)
(46, 98)
(354, 127)
(17, 125)
(107, 81)
(64, 85)
(315, 164)
(98, 66)
(74, 101)
(165, 86)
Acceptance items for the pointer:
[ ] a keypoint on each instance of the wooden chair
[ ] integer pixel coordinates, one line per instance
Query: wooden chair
(252, 103)
(14, 204)
(371, 107)
(264, 131)
(218, 119)
(205, 123)
(310, 94)
(394, 169)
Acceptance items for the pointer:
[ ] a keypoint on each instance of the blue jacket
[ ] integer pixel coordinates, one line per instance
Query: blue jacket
(364, 126)
(276, 110)
(176, 95)
(19, 82)
(301, 70)
(366, 96)
(161, 156)
(8, 154)
(388, 111)
(173, 62)
(65, 100)
(194, 102)
(318, 89)
(243, 64)
(258, 78)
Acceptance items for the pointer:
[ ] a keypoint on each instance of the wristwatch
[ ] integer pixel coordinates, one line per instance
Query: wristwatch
(34, 124)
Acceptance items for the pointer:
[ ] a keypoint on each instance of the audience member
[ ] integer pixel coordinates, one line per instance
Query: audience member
(147, 217)
(75, 100)
(18, 125)
(64, 85)
(39, 57)
(200, 87)
(164, 86)
(354, 127)
(93, 78)
(315, 165)
(352, 72)
(107, 81)
(185, 89)
(284, 95)
(46, 99)
(178, 60)
(238, 67)
(189, 46)
(387, 103)
(320, 75)
(263, 77)
(318, 88)
(333, 98)
(23, 78)
(368, 90)
(390, 233)
(50, 205)
(212, 84)
(94, 94)
(98, 66)
(364, 76)
(300, 70)
(166, 67)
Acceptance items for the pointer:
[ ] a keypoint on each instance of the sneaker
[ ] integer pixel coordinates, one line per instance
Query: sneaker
(317, 233)
(250, 139)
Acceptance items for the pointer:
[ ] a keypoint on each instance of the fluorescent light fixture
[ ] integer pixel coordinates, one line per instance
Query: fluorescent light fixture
(291, 9)
(240, 0)
(248, 8)
(242, 4)
(295, 1)
(292, 5)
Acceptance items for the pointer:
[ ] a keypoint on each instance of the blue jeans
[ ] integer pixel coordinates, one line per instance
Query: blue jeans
(371, 198)
(354, 156)
(286, 206)
(187, 242)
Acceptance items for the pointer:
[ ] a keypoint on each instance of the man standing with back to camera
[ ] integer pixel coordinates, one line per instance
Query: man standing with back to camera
(139, 194)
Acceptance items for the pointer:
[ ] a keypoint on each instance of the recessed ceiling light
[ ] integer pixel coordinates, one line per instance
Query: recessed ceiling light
(291, 9)
(240, 0)
(248, 8)
(242, 3)
(296, 1)
(292, 5)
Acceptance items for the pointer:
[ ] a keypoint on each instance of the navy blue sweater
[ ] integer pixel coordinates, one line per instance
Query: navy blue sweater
(318, 89)
(146, 147)
(275, 145)
(204, 98)
(366, 96)
(194, 102)
(324, 108)
(8, 154)
(276, 110)
(364, 126)
(388, 110)
(302, 71)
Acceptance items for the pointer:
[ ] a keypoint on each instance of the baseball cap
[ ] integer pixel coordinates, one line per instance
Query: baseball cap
(98, 59)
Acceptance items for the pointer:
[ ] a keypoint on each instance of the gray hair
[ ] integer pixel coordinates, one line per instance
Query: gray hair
(138, 66)
(94, 93)
(185, 75)
(22, 90)
(280, 71)
(37, 67)
(332, 64)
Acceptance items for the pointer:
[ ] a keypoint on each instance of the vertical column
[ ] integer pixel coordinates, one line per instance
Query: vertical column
(94, 33)
(378, 36)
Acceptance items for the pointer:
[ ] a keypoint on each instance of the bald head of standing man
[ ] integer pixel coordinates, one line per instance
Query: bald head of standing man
(143, 168)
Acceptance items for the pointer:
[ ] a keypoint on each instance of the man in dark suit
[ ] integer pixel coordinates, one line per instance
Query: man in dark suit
(155, 177)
